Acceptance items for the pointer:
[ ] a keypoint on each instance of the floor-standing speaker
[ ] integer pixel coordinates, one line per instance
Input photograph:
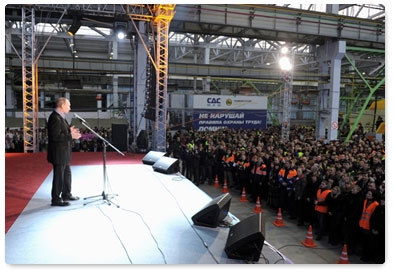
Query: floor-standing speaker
(152, 157)
(167, 165)
(214, 212)
(246, 239)
(119, 135)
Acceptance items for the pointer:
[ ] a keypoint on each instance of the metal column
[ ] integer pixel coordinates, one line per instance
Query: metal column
(330, 55)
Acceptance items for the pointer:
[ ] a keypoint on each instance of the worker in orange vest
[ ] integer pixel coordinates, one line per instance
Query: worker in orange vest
(242, 174)
(228, 162)
(321, 207)
(286, 177)
(258, 177)
(369, 205)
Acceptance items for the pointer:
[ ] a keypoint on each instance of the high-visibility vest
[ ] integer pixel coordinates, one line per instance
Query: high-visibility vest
(321, 196)
(228, 158)
(289, 179)
(291, 174)
(259, 170)
(191, 146)
(244, 164)
(367, 212)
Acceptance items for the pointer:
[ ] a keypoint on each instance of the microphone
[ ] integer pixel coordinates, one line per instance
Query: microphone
(80, 118)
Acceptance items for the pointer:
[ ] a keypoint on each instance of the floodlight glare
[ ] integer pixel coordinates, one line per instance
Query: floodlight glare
(121, 35)
(284, 50)
(120, 30)
(285, 63)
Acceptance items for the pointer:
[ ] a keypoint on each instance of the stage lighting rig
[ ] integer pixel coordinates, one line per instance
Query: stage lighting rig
(120, 30)
(75, 26)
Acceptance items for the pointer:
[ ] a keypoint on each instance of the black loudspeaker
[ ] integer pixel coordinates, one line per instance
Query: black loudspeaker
(142, 140)
(152, 157)
(120, 136)
(167, 165)
(246, 239)
(214, 212)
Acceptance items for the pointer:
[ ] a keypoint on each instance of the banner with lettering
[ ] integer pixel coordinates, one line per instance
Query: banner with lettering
(230, 102)
(205, 120)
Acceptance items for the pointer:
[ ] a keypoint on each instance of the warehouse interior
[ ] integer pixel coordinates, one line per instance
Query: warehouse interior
(336, 51)
(170, 53)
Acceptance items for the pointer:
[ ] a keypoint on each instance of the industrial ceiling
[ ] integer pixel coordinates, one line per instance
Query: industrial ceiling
(236, 45)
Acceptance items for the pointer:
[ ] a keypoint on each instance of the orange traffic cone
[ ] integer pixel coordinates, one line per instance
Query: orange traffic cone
(243, 197)
(216, 182)
(344, 256)
(279, 219)
(225, 187)
(258, 208)
(309, 242)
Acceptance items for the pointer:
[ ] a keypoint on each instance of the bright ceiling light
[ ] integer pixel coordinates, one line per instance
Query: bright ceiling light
(285, 63)
(121, 35)
(284, 50)
(120, 30)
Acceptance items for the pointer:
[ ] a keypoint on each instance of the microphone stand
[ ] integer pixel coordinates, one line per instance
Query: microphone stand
(104, 196)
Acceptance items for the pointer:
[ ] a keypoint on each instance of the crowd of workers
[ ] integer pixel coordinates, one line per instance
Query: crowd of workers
(89, 142)
(338, 187)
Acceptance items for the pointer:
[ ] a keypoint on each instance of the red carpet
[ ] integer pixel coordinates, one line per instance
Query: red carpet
(25, 172)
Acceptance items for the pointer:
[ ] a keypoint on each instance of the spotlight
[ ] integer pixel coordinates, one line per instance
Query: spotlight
(121, 35)
(285, 63)
(75, 26)
(120, 30)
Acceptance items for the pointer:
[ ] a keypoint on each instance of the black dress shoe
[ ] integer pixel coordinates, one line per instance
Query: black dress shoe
(60, 203)
(70, 198)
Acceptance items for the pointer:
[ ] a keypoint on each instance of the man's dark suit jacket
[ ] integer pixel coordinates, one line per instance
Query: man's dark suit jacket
(59, 140)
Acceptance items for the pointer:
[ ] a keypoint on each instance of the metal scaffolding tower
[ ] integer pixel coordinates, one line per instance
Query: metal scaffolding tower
(286, 97)
(160, 17)
(286, 65)
(29, 81)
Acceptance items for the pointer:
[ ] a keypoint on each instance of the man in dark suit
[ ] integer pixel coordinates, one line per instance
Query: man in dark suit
(60, 137)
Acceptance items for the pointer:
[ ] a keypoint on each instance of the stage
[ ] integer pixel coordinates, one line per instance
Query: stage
(146, 220)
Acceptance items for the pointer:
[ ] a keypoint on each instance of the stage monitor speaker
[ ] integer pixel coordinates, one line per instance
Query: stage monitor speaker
(152, 157)
(246, 239)
(166, 165)
(214, 212)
